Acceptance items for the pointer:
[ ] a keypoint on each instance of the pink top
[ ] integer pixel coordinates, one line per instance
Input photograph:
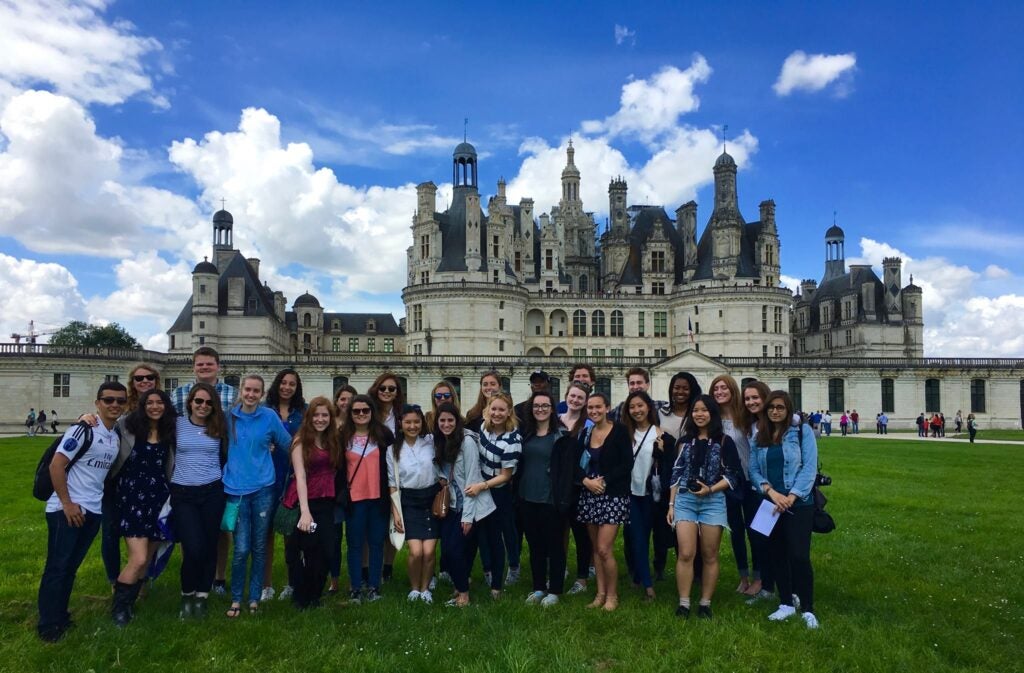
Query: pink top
(319, 479)
(364, 483)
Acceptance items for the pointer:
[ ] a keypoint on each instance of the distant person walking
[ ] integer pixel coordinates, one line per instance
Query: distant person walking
(972, 427)
(855, 422)
(53, 421)
(30, 422)
(40, 423)
(826, 423)
(959, 421)
(922, 426)
(883, 423)
(844, 423)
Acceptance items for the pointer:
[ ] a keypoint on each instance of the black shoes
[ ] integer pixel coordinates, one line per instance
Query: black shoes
(704, 612)
(683, 611)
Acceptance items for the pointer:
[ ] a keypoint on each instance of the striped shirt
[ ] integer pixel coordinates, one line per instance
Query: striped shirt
(227, 395)
(498, 452)
(197, 457)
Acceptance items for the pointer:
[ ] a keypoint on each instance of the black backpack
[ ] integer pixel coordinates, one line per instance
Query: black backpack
(42, 484)
(823, 521)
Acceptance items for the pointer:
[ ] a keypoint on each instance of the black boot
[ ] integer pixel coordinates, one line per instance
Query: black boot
(187, 606)
(125, 596)
(199, 607)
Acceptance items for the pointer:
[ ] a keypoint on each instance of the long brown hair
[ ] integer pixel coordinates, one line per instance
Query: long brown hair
(396, 404)
(734, 409)
(772, 433)
(757, 423)
(133, 395)
(378, 432)
(434, 404)
(307, 437)
(477, 409)
(216, 423)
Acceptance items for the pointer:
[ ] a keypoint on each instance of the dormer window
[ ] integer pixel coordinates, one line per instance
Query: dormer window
(371, 326)
(336, 325)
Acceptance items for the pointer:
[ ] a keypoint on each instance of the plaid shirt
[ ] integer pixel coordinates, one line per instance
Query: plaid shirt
(226, 393)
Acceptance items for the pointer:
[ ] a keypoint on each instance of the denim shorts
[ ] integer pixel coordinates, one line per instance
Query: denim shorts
(709, 510)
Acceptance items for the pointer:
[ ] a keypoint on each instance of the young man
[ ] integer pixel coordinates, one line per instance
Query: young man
(74, 510)
(637, 379)
(539, 382)
(855, 422)
(206, 367)
(583, 373)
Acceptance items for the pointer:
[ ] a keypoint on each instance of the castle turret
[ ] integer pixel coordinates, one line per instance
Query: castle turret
(726, 222)
(835, 255)
(892, 280)
(768, 245)
(570, 203)
(223, 244)
(204, 304)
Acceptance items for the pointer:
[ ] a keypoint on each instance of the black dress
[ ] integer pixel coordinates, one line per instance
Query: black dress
(142, 489)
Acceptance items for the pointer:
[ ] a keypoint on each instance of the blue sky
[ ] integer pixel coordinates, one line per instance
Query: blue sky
(122, 125)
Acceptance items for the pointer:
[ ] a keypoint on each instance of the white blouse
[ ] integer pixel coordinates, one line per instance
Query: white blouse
(416, 467)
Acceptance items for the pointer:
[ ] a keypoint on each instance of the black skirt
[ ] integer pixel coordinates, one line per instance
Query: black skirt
(419, 523)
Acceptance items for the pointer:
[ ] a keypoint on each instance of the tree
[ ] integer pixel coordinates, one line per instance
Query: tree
(78, 333)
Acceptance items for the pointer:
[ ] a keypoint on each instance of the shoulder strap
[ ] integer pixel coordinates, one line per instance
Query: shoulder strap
(86, 443)
(643, 439)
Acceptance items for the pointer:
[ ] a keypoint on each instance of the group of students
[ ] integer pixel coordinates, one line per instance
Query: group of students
(678, 472)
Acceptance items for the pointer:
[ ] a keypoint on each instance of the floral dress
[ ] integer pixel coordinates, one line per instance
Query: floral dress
(142, 489)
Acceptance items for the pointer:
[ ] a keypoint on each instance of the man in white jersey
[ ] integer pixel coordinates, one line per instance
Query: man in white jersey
(74, 510)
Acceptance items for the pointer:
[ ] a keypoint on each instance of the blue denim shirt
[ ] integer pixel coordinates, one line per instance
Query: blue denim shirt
(801, 462)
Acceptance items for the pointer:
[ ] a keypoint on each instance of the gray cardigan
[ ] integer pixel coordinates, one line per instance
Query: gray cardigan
(467, 471)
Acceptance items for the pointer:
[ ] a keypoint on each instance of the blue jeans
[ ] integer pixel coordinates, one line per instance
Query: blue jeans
(66, 548)
(641, 522)
(453, 550)
(251, 537)
(367, 524)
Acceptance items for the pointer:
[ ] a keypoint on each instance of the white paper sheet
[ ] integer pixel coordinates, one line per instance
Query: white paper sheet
(765, 518)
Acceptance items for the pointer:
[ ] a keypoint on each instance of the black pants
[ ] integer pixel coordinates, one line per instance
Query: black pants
(790, 550)
(197, 511)
(315, 551)
(487, 532)
(545, 531)
(66, 547)
(664, 536)
(454, 558)
(584, 549)
(741, 515)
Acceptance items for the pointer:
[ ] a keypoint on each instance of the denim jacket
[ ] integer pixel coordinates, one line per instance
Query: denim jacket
(801, 462)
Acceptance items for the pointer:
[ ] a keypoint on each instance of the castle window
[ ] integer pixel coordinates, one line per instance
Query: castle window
(579, 352)
(618, 354)
(495, 248)
(549, 260)
(202, 340)
(62, 385)
(796, 391)
(389, 345)
(778, 351)
(597, 323)
(579, 323)
(640, 352)
(172, 348)
(803, 344)
(618, 324)
(778, 320)
(501, 324)
(501, 346)
(827, 338)
(335, 325)
(549, 286)
(696, 310)
(424, 246)
(307, 320)
(696, 328)
(660, 323)
(764, 318)
(640, 324)
(849, 337)
(353, 344)
(371, 345)
(495, 275)
(202, 324)
(417, 349)
(603, 384)
(171, 383)
(338, 383)
(661, 353)
(202, 288)
(597, 353)
(658, 287)
(888, 396)
(584, 283)
(932, 395)
(417, 317)
(519, 262)
(764, 351)
(371, 326)
(424, 277)
(977, 396)
(658, 261)
(336, 345)
(836, 394)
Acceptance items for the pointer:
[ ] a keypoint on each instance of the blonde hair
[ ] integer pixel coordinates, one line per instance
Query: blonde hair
(133, 395)
(434, 404)
(510, 421)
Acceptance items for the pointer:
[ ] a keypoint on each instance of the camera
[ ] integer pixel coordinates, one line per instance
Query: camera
(823, 480)
(693, 484)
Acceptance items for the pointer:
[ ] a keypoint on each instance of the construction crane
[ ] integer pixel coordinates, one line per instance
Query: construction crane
(32, 334)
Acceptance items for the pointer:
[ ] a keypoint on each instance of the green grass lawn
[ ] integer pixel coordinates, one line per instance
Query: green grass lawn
(995, 434)
(922, 574)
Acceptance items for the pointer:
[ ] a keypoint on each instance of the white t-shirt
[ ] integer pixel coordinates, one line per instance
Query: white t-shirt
(643, 440)
(86, 477)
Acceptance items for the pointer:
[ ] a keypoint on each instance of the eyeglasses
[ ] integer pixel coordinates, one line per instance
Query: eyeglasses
(541, 407)
(360, 411)
(139, 378)
(202, 401)
(388, 389)
(442, 396)
(776, 407)
(113, 400)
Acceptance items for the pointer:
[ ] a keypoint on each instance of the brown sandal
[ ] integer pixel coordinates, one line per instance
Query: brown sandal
(233, 612)
(597, 602)
(610, 603)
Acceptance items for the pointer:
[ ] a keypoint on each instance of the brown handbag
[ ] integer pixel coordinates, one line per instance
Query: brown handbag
(442, 499)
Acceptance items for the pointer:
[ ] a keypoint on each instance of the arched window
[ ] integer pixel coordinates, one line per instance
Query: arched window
(932, 396)
(307, 320)
(888, 396)
(597, 323)
(618, 324)
(836, 395)
(579, 323)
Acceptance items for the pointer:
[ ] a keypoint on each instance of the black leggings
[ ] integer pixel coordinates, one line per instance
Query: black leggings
(790, 550)
(197, 511)
(312, 563)
(584, 550)
(545, 530)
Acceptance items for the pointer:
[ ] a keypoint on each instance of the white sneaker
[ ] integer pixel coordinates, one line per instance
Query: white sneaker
(513, 576)
(535, 598)
(487, 579)
(784, 612)
(796, 601)
(286, 593)
(810, 620)
(426, 596)
(433, 583)
(577, 587)
(444, 577)
(413, 596)
(268, 593)
(549, 600)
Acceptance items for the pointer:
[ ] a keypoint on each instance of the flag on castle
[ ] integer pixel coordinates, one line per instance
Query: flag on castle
(689, 328)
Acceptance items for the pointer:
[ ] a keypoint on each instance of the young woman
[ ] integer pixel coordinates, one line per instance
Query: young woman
(142, 472)
(389, 399)
(706, 467)
(683, 389)
(457, 457)
(490, 384)
(254, 430)
(197, 494)
(412, 473)
(364, 440)
(142, 378)
(844, 422)
(500, 449)
(544, 484)
(284, 397)
(783, 464)
(342, 399)
(604, 473)
(741, 503)
(653, 456)
(972, 427)
(316, 456)
(575, 420)
(755, 393)
(443, 392)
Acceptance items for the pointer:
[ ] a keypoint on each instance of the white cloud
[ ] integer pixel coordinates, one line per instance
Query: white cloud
(813, 72)
(650, 107)
(789, 282)
(624, 34)
(68, 44)
(995, 272)
(960, 320)
(43, 292)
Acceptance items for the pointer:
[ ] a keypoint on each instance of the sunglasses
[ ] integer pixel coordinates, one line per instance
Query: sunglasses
(139, 378)
(113, 400)
(388, 389)
(360, 411)
(442, 396)
(202, 401)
